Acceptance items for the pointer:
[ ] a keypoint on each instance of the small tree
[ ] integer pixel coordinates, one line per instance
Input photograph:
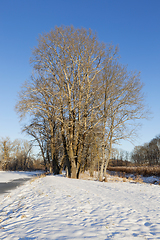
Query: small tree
(6, 148)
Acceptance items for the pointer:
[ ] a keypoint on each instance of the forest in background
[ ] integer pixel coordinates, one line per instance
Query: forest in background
(18, 155)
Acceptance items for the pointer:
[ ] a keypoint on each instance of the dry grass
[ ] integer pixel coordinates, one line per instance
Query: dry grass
(142, 170)
(38, 176)
(138, 179)
(115, 179)
(130, 179)
(124, 179)
(106, 179)
(85, 176)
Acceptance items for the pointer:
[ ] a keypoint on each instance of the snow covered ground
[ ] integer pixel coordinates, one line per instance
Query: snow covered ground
(55, 207)
(7, 176)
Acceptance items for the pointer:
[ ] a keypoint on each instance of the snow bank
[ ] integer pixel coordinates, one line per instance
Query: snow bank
(56, 207)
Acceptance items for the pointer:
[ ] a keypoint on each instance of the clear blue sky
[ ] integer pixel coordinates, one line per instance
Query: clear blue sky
(132, 24)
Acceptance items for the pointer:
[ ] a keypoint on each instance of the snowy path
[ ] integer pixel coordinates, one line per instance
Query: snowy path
(55, 207)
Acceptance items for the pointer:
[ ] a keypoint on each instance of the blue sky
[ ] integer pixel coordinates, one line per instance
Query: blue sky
(133, 25)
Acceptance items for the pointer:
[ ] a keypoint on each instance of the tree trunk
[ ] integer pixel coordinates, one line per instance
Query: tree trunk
(102, 165)
(73, 164)
(67, 162)
(110, 146)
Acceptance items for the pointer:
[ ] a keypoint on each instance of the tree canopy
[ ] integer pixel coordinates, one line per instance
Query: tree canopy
(80, 100)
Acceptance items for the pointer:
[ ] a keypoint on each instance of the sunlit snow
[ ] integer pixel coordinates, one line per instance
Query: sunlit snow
(55, 207)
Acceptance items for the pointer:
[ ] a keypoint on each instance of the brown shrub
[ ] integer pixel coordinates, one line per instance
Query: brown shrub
(138, 179)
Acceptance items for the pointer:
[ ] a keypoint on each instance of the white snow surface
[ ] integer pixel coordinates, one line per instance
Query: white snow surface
(56, 207)
(7, 176)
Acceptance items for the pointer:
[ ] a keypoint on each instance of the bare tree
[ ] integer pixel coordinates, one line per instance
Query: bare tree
(123, 105)
(147, 154)
(21, 157)
(35, 130)
(67, 64)
(78, 86)
(6, 148)
(15, 155)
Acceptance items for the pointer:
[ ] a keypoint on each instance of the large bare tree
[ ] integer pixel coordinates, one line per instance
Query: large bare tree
(78, 86)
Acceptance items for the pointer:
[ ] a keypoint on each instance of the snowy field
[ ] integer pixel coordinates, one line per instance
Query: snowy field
(56, 207)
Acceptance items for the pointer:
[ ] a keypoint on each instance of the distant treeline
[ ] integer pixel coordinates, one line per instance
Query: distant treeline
(17, 155)
(147, 154)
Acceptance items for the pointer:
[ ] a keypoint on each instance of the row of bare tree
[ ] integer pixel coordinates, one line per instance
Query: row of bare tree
(148, 154)
(15, 155)
(79, 100)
